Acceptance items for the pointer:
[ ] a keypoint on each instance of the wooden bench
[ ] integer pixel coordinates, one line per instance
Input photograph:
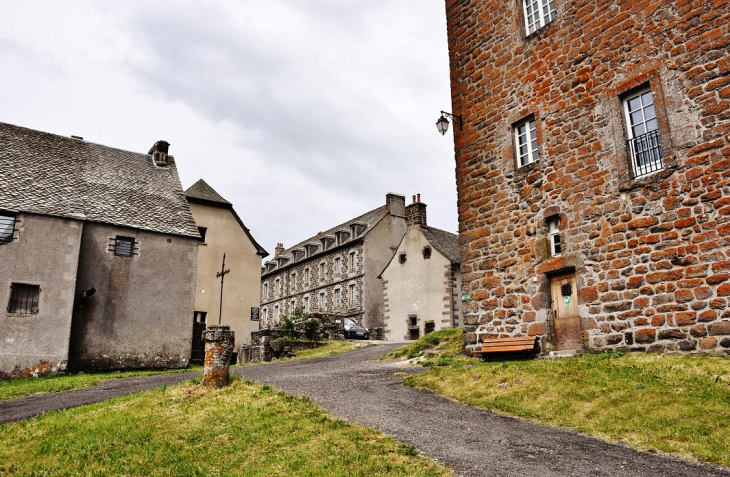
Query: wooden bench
(507, 345)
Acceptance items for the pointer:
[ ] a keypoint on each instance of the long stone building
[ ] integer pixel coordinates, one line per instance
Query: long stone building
(592, 144)
(98, 253)
(336, 271)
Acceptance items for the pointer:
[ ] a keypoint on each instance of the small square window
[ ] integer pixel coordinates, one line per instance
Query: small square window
(402, 257)
(201, 316)
(429, 327)
(123, 246)
(526, 142)
(538, 13)
(7, 226)
(202, 231)
(24, 299)
(426, 252)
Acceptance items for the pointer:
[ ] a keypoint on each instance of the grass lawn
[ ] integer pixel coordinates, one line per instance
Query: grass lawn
(670, 403)
(65, 382)
(244, 429)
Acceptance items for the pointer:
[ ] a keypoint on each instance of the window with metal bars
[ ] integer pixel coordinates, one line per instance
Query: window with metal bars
(24, 299)
(644, 144)
(538, 13)
(123, 246)
(7, 226)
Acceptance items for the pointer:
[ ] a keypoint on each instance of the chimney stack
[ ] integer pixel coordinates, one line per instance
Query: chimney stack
(396, 203)
(279, 249)
(416, 212)
(159, 153)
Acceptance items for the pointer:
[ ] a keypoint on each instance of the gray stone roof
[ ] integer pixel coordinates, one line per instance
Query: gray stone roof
(368, 219)
(443, 241)
(43, 173)
(202, 191)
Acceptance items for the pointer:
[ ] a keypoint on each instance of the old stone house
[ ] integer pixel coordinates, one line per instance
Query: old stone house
(97, 250)
(336, 271)
(592, 144)
(422, 281)
(222, 232)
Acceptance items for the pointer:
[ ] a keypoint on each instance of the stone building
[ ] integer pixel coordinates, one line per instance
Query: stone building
(592, 145)
(97, 256)
(422, 281)
(222, 232)
(336, 271)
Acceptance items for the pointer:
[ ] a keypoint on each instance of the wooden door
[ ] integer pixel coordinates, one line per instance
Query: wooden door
(566, 321)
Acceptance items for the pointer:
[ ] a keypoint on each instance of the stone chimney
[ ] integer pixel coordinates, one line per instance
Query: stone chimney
(416, 212)
(159, 153)
(396, 203)
(279, 249)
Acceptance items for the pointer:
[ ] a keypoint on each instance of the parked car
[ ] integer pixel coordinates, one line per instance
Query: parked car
(353, 330)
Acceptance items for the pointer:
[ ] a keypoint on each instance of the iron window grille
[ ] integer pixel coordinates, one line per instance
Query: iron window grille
(538, 13)
(644, 143)
(24, 299)
(123, 246)
(526, 142)
(7, 227)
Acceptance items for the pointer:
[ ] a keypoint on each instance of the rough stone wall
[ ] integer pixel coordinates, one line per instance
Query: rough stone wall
(317, 285)
(141, 315)
(44, 252)
(651, 255)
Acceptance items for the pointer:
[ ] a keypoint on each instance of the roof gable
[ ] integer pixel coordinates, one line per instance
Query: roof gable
(202, 191)
(443, 241)
(59, 176)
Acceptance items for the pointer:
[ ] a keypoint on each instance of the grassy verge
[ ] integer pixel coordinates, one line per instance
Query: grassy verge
(66, 382)
(331, 348)
(669, 403)
(244, 429)
(439, 348)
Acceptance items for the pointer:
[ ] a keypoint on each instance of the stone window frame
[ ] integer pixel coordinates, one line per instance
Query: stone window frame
(306, 304)
(293, 281)
(526, 121)
(652, 79)
(337, 298)
(8, 221)
(520, 15)
(277, 287)
(338, 265)
(277, 313)
(307, 277)
(553, 223)
(292, 307)
(20, 294)
(352, 294)
(322, 305)
(322, 271)
(266, 290)
(124, 252)
(353, 262)
(629, 125)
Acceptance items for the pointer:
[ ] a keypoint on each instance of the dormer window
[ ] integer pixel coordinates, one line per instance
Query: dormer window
(282, 261)
(298, 255)
(356, 230)
(327, 242)
(311, 249)
(270, 266)
(342, 237)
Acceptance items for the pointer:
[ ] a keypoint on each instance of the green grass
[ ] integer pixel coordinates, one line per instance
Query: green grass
(65, 382)
(447, 345)
(243, 429)
(669, 403)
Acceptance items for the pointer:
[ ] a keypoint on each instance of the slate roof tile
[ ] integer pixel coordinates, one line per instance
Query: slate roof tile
(44, 173)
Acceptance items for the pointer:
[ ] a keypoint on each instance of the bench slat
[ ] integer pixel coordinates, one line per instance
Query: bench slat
(507, 345)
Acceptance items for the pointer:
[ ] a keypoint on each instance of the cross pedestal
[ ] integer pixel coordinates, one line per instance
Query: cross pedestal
(219, 341)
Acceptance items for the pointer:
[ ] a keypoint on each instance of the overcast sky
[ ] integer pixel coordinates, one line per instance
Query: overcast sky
(302, 113)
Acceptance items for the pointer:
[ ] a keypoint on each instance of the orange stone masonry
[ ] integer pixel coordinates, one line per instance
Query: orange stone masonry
(651, 254)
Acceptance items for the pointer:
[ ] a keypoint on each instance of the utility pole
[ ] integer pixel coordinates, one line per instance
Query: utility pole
(222, 274)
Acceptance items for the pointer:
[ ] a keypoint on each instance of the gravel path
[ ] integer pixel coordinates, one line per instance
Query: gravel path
(358, 388)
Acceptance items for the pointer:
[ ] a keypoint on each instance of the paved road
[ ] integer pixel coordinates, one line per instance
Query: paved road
(357, 387)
